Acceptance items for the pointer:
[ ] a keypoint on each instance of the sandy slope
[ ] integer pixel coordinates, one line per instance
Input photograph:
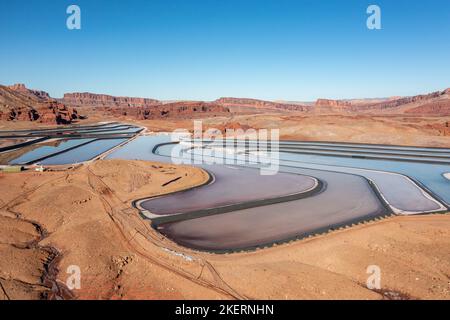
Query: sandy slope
(71, 207)
(88, 217)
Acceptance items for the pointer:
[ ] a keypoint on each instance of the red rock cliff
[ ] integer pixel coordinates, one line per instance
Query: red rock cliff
(19, 103)
(260, 104)
(103, 100)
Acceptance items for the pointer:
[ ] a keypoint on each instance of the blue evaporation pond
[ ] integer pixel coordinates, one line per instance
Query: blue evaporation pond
(141, 149)
(44, 151)
(83, 153)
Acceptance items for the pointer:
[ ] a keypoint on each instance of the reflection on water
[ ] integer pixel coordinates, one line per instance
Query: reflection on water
(45, 150)
(83, 153)
(141, 149)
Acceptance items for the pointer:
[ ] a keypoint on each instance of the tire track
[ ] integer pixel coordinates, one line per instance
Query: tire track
(115, 209)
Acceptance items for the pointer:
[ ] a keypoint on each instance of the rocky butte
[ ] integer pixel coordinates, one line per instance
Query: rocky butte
(142, 108)
(19, 103)
(103, 100)
(246, 103)
(435, 103)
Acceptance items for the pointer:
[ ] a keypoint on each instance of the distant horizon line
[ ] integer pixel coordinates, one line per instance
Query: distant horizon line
(222, 97)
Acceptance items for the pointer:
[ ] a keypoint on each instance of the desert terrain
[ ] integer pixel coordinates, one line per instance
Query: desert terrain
(421, 120)
(84, 215)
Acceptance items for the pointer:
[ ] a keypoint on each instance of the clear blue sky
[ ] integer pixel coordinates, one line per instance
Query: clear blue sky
(204, 49)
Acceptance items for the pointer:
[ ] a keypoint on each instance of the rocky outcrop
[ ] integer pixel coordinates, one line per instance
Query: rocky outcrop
(229, 126)
(329, 105)
(20, 87)
(142, 108)
(332, 103)
(22, 104)
(435, 103)
(102, 100)
(423, 98)
(172, 110)
(442, 128)
(260, 104)
(332, 106)
(441, 108)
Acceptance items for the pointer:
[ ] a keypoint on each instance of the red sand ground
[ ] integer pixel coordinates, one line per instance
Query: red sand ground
(86, 214)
